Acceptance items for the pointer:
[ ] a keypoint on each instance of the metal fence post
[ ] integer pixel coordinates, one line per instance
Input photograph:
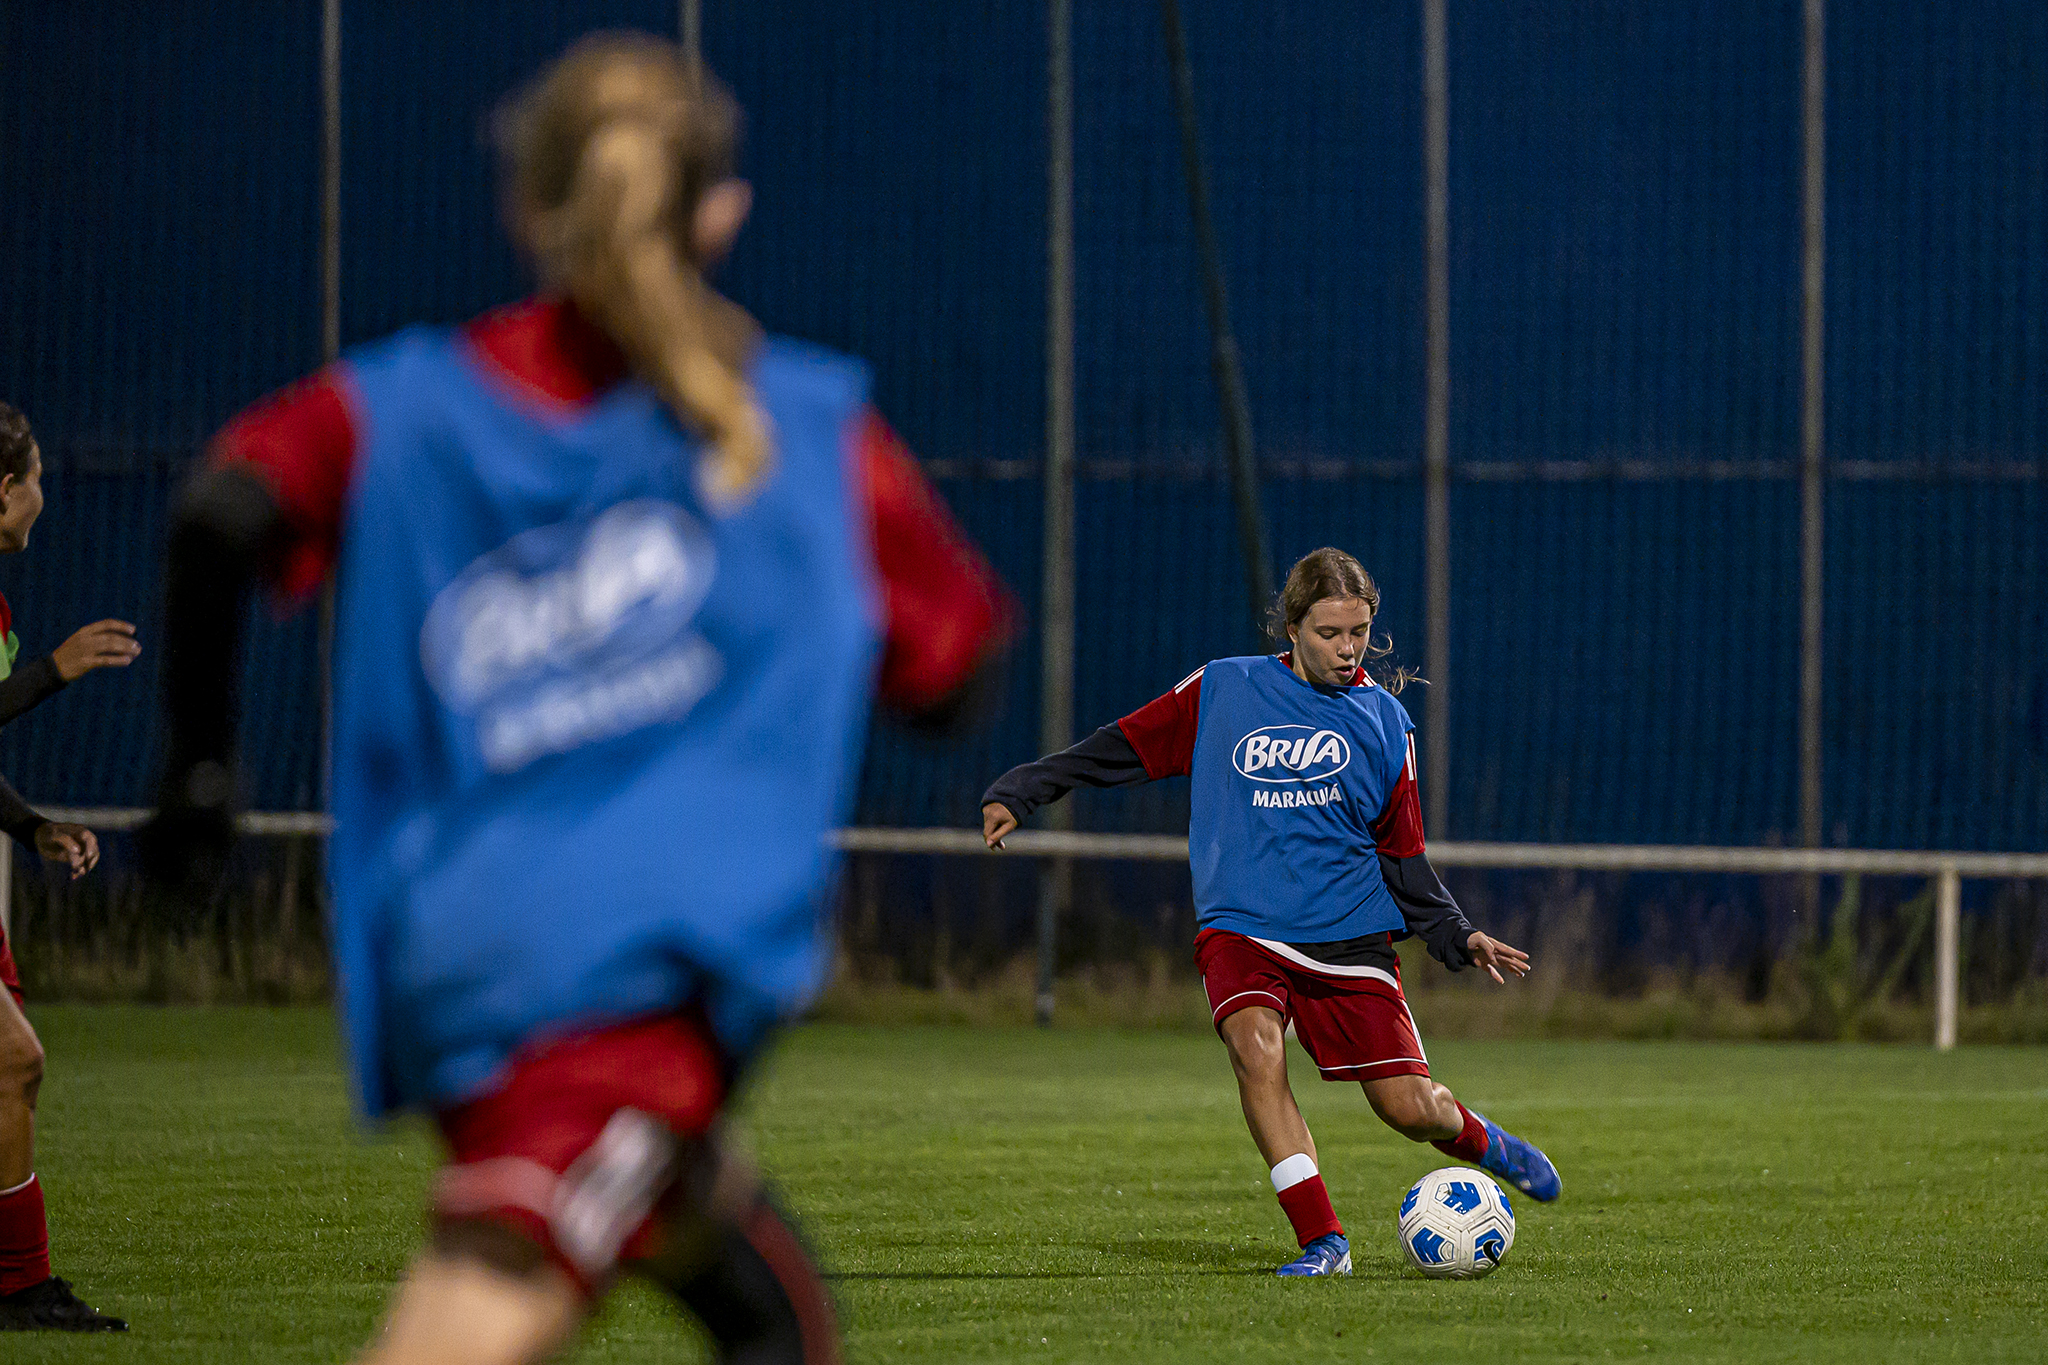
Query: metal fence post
(1056, 698)
(1436, 447)
(1948, 915)
(1812, 484)
(690, 27)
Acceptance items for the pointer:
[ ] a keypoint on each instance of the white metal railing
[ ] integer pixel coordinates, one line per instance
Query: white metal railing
(1946, 869)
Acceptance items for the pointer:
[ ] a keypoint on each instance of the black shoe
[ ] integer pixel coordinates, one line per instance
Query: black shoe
(52, 1307)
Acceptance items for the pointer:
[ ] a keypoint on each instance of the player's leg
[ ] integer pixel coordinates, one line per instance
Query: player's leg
(1247, 994)
(1421, 1110)
(484, 1295)
(21, 1078)
(1257, 1042)
(1256, 1038)
(724, 1251)
(31, 1299)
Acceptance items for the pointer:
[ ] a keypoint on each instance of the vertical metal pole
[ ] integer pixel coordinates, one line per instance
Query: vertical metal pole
(1948, 916)
(690, 25)
(1436, 447)
(1812, 484)
(1056, 706)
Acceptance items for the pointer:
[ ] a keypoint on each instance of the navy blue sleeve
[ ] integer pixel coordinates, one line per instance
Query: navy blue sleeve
(29, 686)
(17, 817)
(1427, 906)
(1104, 759)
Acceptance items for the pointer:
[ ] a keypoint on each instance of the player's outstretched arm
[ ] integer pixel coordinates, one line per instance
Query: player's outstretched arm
(947, 621)
(1425, 903)
(1104, 759)
(224, 529)
(103, 644)
(1156, 740)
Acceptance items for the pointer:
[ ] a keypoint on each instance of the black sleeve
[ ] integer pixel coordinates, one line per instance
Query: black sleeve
(29, 686)
(1432, 915)
(1104, 759)
(17, 817)
(225, 529)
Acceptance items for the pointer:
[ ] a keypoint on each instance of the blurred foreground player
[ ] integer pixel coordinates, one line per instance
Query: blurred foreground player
(611, 567)
(31, 1298)
(1306, 843)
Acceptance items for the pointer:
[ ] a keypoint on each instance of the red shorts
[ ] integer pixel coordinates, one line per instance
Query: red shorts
(1354, 1027)
(581, 1138)
(10, 975)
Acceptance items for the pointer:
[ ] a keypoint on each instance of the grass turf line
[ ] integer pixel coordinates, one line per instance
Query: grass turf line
(1087, 1195)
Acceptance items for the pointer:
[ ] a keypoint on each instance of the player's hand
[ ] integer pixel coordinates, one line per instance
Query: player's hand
(996, 822)
(103, 644)
(1493, 955)
(74, 845)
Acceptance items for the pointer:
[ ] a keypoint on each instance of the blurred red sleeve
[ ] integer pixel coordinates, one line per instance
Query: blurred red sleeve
(1162, 731)
(1398, 829)
(301, 441)
(946, 613)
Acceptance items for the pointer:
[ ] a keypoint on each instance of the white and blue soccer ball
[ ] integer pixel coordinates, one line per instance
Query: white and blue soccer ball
(1456, 1224)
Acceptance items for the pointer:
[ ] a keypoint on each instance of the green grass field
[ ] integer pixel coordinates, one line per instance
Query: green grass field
(1091, 1195)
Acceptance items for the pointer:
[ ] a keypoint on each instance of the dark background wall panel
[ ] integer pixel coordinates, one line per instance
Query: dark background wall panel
(1937, 194)
(159, 249)
(421, 237)
(1937, 665)
(1620, 652)
(1310, 117)
(898, 158)
(1625, 231)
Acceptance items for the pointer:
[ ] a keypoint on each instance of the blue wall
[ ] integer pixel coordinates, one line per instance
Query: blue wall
(1625, 288)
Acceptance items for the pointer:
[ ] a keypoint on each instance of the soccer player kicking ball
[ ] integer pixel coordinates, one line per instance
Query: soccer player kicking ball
(31, 1298)
(1306, 846)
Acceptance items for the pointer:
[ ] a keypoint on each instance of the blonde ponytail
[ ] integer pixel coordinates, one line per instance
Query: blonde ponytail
(610, 153)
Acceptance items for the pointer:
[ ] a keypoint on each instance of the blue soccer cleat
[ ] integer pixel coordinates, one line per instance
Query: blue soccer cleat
(1329, 1254)
(1519, 1163)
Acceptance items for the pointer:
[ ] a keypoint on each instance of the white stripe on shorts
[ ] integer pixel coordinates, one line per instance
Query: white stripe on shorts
(1326, 968)
(1366, 1066)
(1268, 994)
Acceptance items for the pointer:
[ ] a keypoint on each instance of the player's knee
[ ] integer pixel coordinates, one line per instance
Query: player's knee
(1258, 1048)
(21, 1067)
(1411, 1113)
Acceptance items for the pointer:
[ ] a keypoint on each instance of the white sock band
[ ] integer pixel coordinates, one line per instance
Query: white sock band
(1291, 1172)
(19, 1188)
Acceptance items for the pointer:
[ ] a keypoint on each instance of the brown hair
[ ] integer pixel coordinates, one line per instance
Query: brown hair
(608, 154)
(1323, 574)
(16, 442)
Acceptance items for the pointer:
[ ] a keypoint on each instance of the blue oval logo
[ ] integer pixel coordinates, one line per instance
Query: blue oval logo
(1291, 753)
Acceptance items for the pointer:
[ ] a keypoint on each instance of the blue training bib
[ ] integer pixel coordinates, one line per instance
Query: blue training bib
(589, 734)
(1288, 778)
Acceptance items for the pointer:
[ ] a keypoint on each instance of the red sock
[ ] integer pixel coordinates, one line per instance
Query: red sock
(1307, 1204)
(24, 1237)
(1468, 1145)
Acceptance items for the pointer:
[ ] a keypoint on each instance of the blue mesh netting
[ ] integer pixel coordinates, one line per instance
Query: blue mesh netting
(1625, 323)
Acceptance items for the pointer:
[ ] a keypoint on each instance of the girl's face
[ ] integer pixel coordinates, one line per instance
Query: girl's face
(21, 502)
(1329, 642)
